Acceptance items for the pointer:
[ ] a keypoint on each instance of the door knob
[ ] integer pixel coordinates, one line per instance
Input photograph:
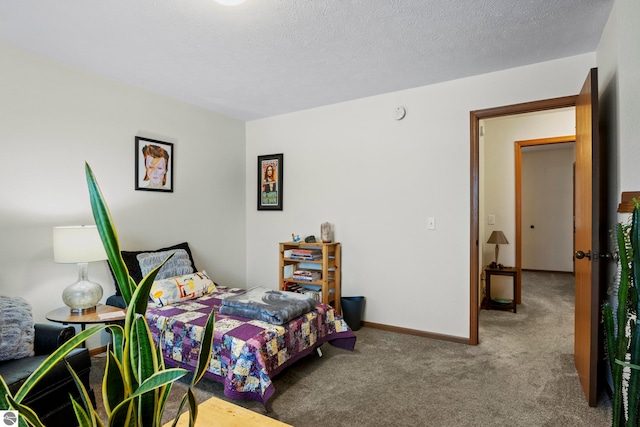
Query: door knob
(580, 255)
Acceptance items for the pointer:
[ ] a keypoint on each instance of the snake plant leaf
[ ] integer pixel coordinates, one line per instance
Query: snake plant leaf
(164, 391)
(159, 379)
(54, 358)
(144, 364)
(117, 340)
(113, 385)
(163, 397)
(193, 407)
(142, 351)
(109, 236)
(183, 403)
(204, 358)
(25, 413)
(81, 414)
(4, 392)
(124, 411)
(123, 415)
(203, 362)
(86, 411)
(188, 398)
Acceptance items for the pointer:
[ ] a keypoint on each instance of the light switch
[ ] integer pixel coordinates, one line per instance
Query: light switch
(492, 220)
(431, 223)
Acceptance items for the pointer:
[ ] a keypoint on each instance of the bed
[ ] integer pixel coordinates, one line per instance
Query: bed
(247, 354)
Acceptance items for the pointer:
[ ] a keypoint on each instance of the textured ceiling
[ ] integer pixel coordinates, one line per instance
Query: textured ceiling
(268, 57)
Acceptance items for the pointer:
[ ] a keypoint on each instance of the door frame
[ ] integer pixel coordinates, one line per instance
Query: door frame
(475, 117)
(518, 167)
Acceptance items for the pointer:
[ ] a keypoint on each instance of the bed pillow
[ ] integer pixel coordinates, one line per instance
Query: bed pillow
(175, 289)
(16, 328)
(178, 265)
(131, 261)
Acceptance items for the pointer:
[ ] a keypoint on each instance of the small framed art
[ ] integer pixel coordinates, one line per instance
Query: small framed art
(270, 182)
(154, 165)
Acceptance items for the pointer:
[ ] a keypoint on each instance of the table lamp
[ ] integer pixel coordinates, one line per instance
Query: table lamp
(79, 245)
(498, 238)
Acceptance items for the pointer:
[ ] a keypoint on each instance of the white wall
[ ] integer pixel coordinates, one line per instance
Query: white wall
(378, 179)
(618, 61)
(619, 85)
(53, 118)
(628, 37)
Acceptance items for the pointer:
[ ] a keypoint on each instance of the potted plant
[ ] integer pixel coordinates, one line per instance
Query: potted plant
(621, 330)
(136, 383)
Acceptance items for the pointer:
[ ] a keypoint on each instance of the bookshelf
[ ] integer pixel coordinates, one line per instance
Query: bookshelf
(314, 258)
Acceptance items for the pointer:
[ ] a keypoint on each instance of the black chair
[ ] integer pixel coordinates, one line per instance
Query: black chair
(50, 396)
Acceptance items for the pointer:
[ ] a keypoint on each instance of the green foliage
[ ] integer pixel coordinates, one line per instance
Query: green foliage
(623, 337)
(136, 383)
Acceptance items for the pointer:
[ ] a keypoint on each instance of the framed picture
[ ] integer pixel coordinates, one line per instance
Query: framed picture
(270, 182)
(154, 165)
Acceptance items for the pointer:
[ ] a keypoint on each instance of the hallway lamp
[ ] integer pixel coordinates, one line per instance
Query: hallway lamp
(79, 245)
(498, 238)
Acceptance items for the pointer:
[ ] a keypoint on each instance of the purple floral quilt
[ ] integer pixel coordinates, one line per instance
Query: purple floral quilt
(247, 353)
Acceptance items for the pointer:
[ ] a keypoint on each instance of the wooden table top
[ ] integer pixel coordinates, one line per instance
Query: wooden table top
(102, 314)
(216, 412)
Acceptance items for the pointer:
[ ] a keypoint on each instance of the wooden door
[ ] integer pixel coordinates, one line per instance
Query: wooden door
(587, 242)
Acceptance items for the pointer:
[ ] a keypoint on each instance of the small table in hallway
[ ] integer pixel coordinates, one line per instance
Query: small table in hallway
(488, 303)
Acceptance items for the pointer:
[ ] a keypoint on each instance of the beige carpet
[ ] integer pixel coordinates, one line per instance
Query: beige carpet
(521, 374)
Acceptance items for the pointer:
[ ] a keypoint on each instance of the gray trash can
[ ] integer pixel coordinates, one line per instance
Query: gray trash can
(352, 308)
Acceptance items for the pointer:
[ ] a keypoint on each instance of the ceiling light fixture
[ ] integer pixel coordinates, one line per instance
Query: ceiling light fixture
(230, 2)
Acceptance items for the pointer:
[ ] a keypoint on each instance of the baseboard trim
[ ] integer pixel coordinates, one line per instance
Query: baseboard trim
(547, 271)
(97, 350)
(416, 332)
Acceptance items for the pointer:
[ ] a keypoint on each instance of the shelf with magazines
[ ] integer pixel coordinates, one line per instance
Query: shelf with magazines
(313, 269)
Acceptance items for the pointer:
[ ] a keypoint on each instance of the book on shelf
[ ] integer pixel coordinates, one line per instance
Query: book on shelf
(293, 287)
(307, 275)
(306, 254)
(306, 251)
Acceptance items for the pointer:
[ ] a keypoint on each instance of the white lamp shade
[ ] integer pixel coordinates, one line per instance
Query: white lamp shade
(77, 244)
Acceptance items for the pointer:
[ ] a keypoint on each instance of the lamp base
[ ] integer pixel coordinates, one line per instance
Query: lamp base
(81, 311)
(82, 296)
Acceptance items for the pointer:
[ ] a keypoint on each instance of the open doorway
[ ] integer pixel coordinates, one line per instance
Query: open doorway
(545, 204)
(476, 246)
(501, 187)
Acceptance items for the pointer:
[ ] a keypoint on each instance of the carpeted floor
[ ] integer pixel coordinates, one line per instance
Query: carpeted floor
(521, 374)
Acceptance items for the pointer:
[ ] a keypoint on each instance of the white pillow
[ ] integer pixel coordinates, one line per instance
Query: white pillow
(181, 288)
(178, 265)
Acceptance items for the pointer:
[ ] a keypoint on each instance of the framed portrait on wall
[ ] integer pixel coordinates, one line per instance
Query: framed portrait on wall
(154, 165)
(270, 182)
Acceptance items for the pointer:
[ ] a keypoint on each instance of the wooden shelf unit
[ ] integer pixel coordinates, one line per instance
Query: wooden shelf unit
(329, 267)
